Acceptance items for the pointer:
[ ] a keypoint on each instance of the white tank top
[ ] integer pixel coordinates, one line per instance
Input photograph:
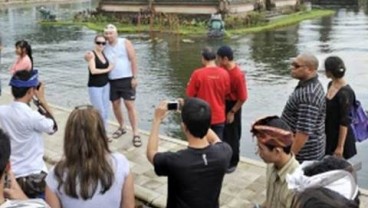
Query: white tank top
(118, 55)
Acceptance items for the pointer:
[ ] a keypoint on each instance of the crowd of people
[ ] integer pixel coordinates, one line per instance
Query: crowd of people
(305, 148)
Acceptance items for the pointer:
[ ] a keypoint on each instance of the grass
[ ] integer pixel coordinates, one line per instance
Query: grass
(283, 21)
(191, 30)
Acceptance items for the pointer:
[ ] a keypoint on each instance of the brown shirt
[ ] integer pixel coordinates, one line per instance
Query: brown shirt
(278, 194)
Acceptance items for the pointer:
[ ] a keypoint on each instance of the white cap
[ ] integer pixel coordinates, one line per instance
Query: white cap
(110, 28)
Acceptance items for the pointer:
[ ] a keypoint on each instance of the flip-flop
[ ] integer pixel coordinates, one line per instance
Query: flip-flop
(137, 142)
(118, 133)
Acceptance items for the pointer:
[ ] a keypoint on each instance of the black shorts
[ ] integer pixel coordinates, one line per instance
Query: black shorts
(122, 88)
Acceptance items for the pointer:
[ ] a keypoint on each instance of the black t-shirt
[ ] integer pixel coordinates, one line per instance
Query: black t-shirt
(99, 80)
(194, 175)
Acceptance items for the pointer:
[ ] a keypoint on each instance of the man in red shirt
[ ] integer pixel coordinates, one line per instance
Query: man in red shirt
(234, 101)
(212, 84)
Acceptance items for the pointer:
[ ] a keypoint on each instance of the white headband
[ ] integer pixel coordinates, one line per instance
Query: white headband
(340, 181)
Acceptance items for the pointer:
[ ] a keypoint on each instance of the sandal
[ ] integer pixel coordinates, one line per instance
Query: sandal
(137, 142)
(118, 133)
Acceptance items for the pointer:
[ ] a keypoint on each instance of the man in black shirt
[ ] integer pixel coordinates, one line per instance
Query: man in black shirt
(195, 174)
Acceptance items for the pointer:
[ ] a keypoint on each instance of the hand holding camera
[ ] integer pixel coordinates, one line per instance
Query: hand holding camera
(165, 106)
(40, 102)
(40, 92)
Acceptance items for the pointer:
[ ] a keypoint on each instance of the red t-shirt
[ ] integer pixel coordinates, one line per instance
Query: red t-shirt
(238, 90)
(211, 84)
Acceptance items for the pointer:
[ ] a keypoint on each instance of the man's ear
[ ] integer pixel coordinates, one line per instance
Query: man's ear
(7, 168)
(30, 91)
(184, 127)
(278, 150)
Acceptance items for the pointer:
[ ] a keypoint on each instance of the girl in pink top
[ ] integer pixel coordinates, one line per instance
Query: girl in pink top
(24, 59)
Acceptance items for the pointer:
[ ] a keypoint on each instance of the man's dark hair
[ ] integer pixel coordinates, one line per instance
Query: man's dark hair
(208, 54)
(225, 51)
(25, 45)
(322, 198)
(4, 151)
(335, 66)
(19, 92)
(196, 115)
(328, 163)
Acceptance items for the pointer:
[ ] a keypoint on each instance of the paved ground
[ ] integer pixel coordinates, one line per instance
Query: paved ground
(241, 189)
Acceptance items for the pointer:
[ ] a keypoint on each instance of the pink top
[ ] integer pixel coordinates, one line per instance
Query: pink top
(22, 63)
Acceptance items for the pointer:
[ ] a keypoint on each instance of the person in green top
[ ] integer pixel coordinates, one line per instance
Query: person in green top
(274, 140)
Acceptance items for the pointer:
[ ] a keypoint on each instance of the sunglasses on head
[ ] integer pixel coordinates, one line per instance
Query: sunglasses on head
(100, 42)
(83, 107)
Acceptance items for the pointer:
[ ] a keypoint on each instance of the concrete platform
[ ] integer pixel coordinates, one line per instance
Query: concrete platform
(241, 189)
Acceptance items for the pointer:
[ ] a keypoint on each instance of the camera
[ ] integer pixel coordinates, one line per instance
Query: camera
(38, 86)
(173, 105)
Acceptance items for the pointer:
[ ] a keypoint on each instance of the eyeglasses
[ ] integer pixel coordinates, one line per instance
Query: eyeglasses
(83, 107)
(100, 43)
(296, 65)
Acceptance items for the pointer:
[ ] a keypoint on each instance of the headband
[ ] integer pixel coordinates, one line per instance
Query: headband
(31, 82)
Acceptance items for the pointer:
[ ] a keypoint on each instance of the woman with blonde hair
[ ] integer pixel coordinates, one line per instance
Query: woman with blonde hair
(89, 175)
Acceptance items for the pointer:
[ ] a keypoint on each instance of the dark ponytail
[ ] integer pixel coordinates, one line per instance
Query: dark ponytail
(25, 45)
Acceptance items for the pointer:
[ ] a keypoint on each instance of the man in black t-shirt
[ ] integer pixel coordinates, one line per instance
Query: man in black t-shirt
(195, 174)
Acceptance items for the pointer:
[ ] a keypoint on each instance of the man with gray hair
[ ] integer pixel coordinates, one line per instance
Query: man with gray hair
(305, 110)
(123, 80)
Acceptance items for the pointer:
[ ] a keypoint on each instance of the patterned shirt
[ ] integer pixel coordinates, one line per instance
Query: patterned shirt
(305, 112)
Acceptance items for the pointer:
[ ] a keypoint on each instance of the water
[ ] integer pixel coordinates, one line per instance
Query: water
(166, 64)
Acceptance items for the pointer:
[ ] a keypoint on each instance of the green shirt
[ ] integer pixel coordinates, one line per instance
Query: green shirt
(278, 194)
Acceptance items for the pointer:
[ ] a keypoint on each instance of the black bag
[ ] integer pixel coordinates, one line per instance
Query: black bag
(33, 185)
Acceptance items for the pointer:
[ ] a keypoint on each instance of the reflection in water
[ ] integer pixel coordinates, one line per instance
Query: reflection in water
(273, 49)
(325, 34)
(166, 63)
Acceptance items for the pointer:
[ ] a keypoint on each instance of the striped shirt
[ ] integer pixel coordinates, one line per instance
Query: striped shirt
(305, 112)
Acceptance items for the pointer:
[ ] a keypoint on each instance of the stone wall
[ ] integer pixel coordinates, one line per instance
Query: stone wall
(19, 2)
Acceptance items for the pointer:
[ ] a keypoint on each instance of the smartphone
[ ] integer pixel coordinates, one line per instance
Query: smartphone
(173, 105)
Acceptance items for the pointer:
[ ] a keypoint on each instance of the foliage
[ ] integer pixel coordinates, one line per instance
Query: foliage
(250, 19)
(284, 21)
(170, 23)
